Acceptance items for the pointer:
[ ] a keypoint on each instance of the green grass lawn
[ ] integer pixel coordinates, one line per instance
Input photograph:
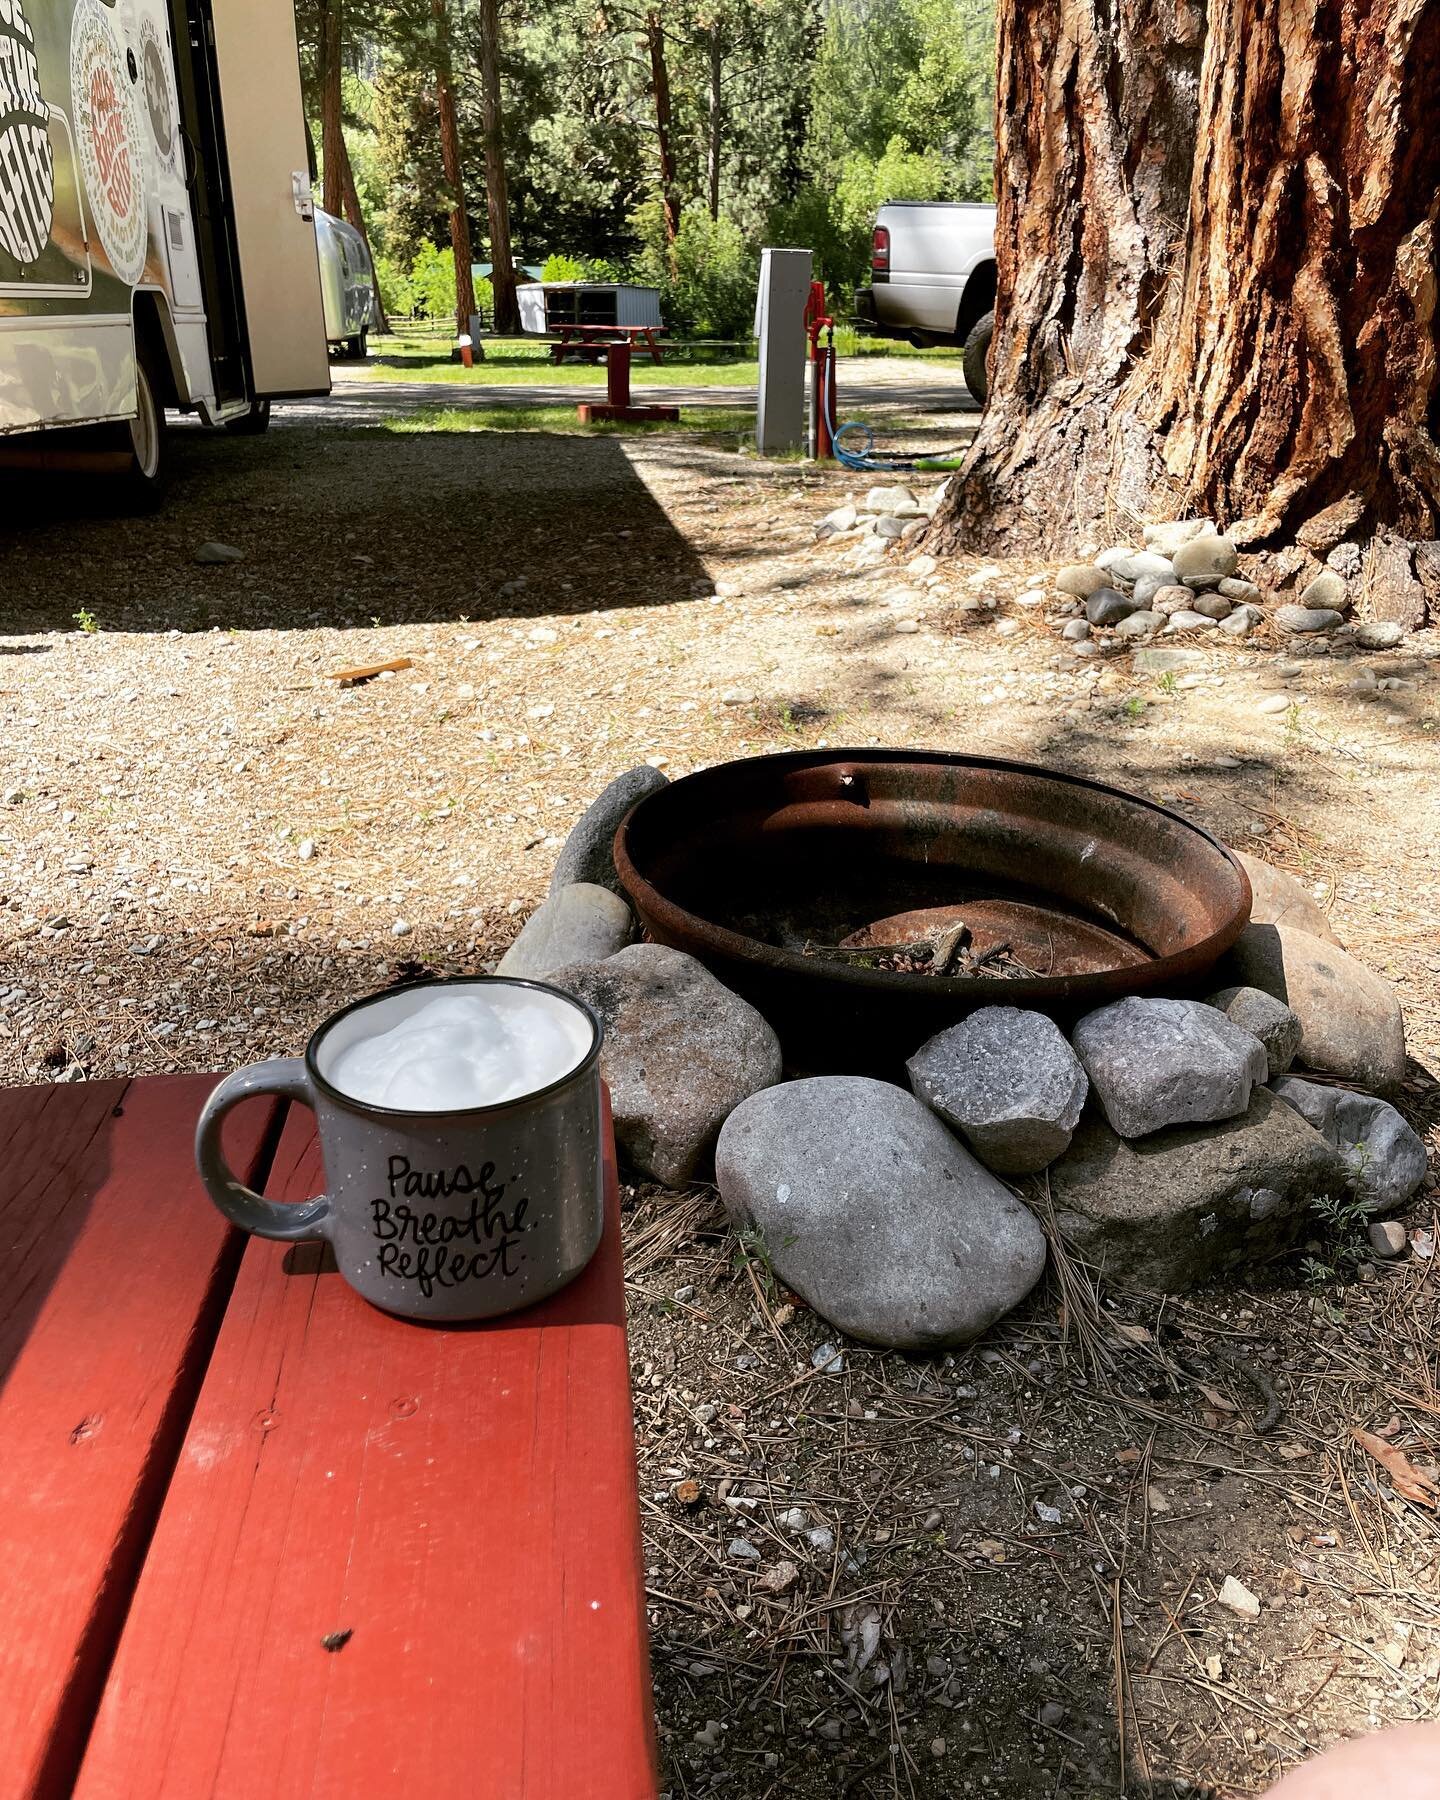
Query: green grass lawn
(720, 422)
(421, 353)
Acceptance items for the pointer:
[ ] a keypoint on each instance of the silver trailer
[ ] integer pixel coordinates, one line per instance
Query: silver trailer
(347, 284)
(157, 237)
(932, 278)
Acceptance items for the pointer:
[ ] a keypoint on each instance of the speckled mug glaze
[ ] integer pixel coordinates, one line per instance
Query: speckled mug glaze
(443, 1215)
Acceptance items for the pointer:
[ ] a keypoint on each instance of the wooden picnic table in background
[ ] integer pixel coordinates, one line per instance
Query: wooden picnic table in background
(589, 343)
(263, 1540)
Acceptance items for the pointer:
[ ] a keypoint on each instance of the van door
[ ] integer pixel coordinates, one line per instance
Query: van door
(257, 65)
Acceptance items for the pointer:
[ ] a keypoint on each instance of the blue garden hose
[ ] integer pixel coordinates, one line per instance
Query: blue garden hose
(874, 461)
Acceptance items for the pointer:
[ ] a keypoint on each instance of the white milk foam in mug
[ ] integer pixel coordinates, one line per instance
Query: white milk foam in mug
(478, 1047)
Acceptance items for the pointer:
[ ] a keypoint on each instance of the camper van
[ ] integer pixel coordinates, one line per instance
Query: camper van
(157, 230)
(347, 284)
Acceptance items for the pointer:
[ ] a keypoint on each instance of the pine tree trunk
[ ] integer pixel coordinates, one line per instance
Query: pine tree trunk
(664, 122)
(332, 117)
(353, 213)
(715, 120)
(1216, 249)
(454, 179)
(497, 189)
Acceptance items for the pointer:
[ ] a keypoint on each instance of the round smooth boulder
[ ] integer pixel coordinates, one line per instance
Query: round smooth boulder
(1278, 899)
(1350, 1019)
(875, 1213)
(589, 851)
(1155, 1063)
(1007, 1080)
(579, 923)
(680, 1053)
(1205, 560)
(1264, 1017)
(1080, 579)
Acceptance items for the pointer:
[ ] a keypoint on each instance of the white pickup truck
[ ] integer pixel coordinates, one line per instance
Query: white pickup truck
(932, 278)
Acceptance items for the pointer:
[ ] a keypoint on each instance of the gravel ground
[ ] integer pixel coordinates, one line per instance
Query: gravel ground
(207, 843)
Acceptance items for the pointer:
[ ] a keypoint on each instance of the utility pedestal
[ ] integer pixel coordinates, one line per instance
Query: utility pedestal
(780, 329)
(617, 404)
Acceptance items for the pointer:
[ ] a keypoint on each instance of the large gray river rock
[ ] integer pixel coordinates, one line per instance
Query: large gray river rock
(875, 1213)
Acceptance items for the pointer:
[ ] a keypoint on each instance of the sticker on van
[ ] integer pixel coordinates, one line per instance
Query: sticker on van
(108, 129)
(27, 160)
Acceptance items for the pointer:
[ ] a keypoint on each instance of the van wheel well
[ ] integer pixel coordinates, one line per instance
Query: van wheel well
(153, 348)
(977, 300)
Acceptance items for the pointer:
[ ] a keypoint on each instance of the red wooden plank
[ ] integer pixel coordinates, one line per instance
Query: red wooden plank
(113, 1274)
(461, 1500)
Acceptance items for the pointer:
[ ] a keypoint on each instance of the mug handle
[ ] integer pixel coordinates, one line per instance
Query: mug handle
(252, 1212)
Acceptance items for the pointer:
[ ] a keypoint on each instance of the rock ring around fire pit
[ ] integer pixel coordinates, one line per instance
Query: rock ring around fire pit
(865, 899)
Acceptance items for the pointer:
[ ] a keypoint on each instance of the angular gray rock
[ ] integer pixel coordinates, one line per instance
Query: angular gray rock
(1172, 599)
(1107, 606)
(1264, 1017)
(1075, 630)
(1186, 620)
(215, 554)
(1176, 1210)
(1205, 560)
(681, 1052)
(1302, 619)
(1350, 1019)
(1155, 1063)
(1008, 1082)
(1146, 588)
(1279, 899)
(1138, 624)
(1384, 1158)
(1235, 587)
(876, 1214)
(1242, 621)
(1080, 579)
(588, 853)
(889, 499)
(579, 923)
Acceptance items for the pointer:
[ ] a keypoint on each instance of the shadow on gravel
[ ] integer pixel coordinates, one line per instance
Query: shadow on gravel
(346, 528)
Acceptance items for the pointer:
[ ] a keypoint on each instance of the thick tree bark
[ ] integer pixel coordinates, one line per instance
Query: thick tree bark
(715, 119)
(497, 188)
(454, 178)
(332, 118)
(664, 121)
(1216, 249)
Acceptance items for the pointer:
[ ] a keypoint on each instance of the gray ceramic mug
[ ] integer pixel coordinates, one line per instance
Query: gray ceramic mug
(434, 1215)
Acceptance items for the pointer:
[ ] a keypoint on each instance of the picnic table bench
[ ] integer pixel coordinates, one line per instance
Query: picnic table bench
(260, 1539)
(589, 343)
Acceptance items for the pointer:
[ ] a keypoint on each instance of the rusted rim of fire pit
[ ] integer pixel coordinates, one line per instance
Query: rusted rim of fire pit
(1223, 895)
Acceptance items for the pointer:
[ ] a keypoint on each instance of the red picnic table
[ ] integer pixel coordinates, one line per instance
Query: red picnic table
(589, 343)
(259, 1539)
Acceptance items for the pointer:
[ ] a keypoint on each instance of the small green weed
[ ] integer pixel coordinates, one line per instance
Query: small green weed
(1342, 1220)
(1169, 682)
(86, 619)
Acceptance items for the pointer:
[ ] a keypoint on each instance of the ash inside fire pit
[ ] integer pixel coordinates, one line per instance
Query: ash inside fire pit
(827, 887)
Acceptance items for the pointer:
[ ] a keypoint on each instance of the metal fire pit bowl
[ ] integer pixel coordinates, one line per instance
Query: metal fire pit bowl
(1098, 893)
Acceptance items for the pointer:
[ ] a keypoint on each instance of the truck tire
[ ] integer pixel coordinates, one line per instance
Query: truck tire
(977, 352)
(254, 423)
(143, 442)
(356, 347)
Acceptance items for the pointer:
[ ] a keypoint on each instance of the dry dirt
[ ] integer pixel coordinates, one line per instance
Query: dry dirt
(207, 844)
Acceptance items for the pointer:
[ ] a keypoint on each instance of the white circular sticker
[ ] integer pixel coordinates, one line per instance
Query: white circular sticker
(108, 129)
(155, 69)
(27, 161)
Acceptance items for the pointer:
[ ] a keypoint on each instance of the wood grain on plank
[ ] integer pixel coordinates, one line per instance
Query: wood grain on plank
(114, 1269)
(460, 1501)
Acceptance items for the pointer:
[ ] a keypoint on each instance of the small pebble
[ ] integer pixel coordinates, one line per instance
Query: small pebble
(401, 928)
